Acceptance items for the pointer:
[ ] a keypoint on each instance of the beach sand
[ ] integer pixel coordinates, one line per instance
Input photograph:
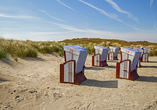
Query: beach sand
(33, 84)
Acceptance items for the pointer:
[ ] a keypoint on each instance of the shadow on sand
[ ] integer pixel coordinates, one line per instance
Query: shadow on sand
(150, 62)
(94, 68)
(147, 79)
(7, 61)
(149, 67)
(111, 66)
(3, 80)
(33, 59)
(104, 84)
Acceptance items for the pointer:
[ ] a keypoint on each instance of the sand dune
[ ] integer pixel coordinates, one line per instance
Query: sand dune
(33, 84)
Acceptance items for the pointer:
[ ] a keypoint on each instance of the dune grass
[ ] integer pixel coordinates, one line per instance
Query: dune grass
(28, 48)
(89, 43)
(2, 52)
(18, 48)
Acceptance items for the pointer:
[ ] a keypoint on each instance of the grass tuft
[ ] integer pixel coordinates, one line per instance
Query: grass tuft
(2, 52)
(28, 48)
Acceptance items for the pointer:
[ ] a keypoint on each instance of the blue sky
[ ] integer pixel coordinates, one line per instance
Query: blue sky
(56, 20)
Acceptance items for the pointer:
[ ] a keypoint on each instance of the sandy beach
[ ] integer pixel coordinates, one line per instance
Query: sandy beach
(33, 84)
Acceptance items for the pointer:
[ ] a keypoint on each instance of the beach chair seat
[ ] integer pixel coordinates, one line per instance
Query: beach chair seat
(127, 67)
(72, 70)
(145, 54)
(113, 53)
(100, 56)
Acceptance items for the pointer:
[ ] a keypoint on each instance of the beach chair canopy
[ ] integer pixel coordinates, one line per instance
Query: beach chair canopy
(114, 49)
(77, 53)
(139, 49)
(131, 54)
(103, 51)
(146, 50)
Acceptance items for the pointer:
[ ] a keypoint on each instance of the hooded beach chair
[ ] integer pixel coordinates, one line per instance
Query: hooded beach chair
(127, 67)
(113, 53)
(141, 50)
(145, 54)
(100, 56)
(72, 71)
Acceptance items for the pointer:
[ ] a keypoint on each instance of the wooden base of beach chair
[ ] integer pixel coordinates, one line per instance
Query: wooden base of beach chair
(144, 57)
(123, 70)
(96, 61)
(68, 75)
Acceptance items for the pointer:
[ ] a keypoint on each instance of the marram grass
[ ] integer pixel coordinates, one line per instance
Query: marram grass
(2, 52)
(28, 48)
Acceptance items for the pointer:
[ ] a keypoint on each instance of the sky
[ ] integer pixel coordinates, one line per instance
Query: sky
(57, 20)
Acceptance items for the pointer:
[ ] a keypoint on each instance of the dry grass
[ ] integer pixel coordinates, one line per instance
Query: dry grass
(86, 42)
(2, 52)
(28, 48)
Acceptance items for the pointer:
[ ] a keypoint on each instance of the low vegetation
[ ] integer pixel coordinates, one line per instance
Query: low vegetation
(2, 52)
(89, 43)
(28, 48)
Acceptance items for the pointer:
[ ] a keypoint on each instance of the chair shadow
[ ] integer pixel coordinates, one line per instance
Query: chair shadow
(103, 84)
(111, 66)
(150, 62)
(149, 66)
(3, 80)
(147, 79)
(94, 68)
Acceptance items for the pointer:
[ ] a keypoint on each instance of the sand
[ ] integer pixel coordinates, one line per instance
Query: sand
(33, 84)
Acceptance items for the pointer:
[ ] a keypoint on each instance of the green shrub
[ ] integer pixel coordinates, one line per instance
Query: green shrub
(30, 52)
(61, 53)
(45, 49)
(2, 52)
(153, 52)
